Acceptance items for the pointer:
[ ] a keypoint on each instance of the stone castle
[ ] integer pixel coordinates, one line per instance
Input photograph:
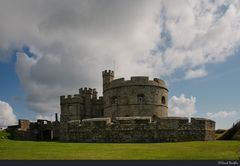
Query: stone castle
(134, 110)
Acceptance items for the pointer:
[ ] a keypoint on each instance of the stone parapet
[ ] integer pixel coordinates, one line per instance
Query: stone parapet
(71, 99)
(136, 81)
(141, 129)
(96, 122)
(133, 120)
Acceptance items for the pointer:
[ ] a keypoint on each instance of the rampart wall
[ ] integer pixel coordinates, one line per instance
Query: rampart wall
(140, 129)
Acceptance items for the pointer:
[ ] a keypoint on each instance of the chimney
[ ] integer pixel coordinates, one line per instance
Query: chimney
(56, 117)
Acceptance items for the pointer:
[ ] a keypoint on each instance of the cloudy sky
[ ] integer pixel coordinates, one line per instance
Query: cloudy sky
(50, 48)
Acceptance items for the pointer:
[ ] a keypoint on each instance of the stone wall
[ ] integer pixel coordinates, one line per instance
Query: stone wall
(40, 130)
(132, 110)
(140, 129)
(81, 106)
(24, 124)
(136, 97)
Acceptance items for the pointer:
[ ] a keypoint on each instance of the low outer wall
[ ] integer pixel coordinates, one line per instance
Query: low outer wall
(142, 130)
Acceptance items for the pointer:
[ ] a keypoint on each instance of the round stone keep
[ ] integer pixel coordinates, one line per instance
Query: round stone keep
(138, 96)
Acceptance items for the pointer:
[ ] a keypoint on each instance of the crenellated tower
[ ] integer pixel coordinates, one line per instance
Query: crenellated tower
(80, 106)
(87, 95)
(108, 76)
(138, 96)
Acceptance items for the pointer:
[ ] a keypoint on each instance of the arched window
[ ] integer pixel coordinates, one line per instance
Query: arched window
(163, 100)
(140, 98)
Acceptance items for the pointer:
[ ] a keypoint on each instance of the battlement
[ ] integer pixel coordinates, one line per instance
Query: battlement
(67, 97)
(201, 120)
(96, 121)
(141, 129)
(159, 81)
(74, 123)
(141, 79)
(136, 80)
(118, 81)
(87, 91)
(134, 120)
(108, 72)
(179, 123)
(79, 97)
(70, 99)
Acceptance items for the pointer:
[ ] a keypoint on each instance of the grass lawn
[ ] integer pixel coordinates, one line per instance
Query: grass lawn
(197, 150)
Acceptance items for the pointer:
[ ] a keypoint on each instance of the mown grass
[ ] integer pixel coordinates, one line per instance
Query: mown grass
(197, 150)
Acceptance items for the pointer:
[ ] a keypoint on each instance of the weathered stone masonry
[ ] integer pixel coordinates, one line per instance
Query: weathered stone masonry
(136, 97)
(140, 129)
(132, 110)
(40, 130)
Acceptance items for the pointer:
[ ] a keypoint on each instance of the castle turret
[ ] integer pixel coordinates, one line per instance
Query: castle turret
(138, 96)
(87, 97)
(94, 95)
(108, 76)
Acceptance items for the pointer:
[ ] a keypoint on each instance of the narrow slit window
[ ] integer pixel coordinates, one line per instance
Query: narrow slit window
(163, 100)
(140, 98)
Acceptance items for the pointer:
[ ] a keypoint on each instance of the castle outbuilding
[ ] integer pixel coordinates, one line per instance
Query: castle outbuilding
(134, 110)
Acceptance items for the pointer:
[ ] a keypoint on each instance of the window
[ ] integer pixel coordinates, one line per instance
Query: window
(140, 98)
(114, 100)
(163, 100)
(69, 107)
(154, 118)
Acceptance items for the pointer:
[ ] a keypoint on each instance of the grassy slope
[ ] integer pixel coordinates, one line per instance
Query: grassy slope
(237, 135)
(219, 150)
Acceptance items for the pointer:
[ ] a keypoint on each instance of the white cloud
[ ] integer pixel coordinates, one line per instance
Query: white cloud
(7, 116)
(223, 119)
(73, 41)
(221, 114)
(182, 106)
(195, 73)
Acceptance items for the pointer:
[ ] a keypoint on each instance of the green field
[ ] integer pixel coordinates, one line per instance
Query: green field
(197, 150)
